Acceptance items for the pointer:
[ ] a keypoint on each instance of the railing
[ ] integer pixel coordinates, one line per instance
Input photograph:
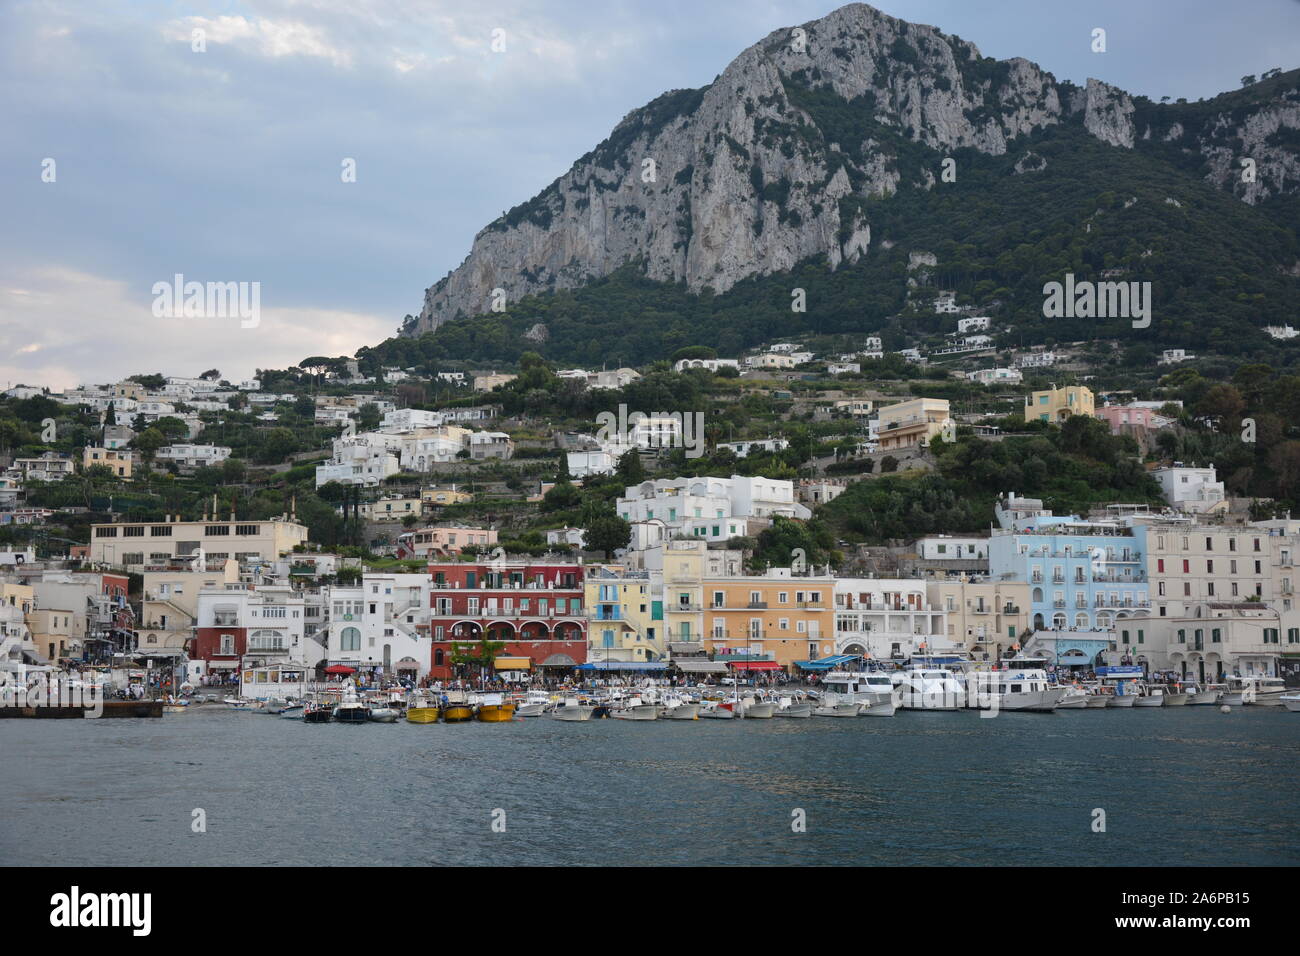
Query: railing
(757, 605)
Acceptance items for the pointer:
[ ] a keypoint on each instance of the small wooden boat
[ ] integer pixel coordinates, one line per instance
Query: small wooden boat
(635, 709)
(1153, 698)
(837, 708)
(714, 710)
(682, 711)
(795, 708)
(1121, 700)
(1073, 702)
(457, 713)
(1210, 695)
(757, 709)
(237, 703)
(317, 713)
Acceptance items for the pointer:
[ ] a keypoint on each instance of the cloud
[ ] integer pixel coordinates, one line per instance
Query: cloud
(272, 38)
(61, 328)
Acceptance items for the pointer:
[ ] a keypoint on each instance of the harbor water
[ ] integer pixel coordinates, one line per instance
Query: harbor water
(1178, 786)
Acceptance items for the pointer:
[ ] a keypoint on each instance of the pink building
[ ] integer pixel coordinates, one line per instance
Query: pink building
(1121, 418)
(441, 541)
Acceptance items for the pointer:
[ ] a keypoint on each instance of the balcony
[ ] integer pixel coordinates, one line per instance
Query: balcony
(684, 608)
(1010, 609)
(757, 605)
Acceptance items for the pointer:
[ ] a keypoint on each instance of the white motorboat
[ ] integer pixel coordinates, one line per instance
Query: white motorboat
(833, 707)
(1121, 700)
(636, 709)
(1151, 697)
(716, 710)
(864, 687)
(755, 708)
(383, 715)
(534, 705)
(675, 707)
(789, 707)
(293, 712)
(928, 688)
(1098, 700)
(1269, 691)
(883, 709)
(1239, 690)
(1018, 683)
(1291, 702)
(572, 709)
(1073, 702)
(1207, 695)
(238, 703)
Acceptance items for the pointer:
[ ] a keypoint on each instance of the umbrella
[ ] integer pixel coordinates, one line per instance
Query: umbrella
(340, 669)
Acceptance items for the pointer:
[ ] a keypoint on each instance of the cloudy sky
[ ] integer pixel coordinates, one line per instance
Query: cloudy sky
(225, 165)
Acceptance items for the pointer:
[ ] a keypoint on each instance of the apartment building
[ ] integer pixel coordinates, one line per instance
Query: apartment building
(238, 626)
(139, 545)
(625, 617)
(1191, 489)
(911, 424)
(443, 540)
(169, 605)
(888, 618)
(534, 608)
(983, 617)
(713, 509)
(120, 462)
(1058, 404)
(767, 622)
(381, 626)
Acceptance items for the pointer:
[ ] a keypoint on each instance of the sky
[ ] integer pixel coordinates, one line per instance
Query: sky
(226, 164)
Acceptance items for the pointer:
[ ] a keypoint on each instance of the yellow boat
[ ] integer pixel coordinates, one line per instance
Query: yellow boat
(422, 715)
(495, 713)
(454, 713)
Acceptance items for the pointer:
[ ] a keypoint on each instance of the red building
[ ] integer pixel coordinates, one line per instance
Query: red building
(534, 608)
(220, 647)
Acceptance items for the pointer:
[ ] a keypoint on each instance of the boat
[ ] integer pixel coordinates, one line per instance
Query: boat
(883, 709)
(1291, 702)
(864, 687)
(350, 710)
(456, 707)
(318, 712)
(534, 705)
(421, 709)
(1076, 698)
(634, 708)
(571, 708)
(927, 688)
(238, 703)
(294, 711)
(1150, 697)
(789, 707)
(679, 708)
(831, 706)
(1210, 694)
(1269, 691)
(1121, 700)
(494, 709)
(383, 715)
(755, 708)
(716, 710)
(1013, 684)
(175, 706)
(274, 705)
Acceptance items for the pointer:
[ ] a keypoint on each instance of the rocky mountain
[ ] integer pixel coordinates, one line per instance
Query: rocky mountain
(775, 162)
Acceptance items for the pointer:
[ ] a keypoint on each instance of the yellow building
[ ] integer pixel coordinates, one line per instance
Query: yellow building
(21, 596)
(52, 631)
(437, 497)
(118, 460)
(168, 542)
(1058, 404)
(391, 509)
(908, 424)
(777, 617)
(683, 572)
(624, 617)
(981, 617)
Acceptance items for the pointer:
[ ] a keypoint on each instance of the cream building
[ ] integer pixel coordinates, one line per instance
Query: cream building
(625, 620)
(909, 424)
(169, 605)
(982, 617)
(146, 544)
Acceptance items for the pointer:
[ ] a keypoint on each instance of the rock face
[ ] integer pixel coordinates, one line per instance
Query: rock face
(771, 164)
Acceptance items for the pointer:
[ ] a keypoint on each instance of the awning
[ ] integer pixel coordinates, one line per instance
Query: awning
(408, 664)
(340, 669)
(512, 663)
(755, 665)
(622, 666)
(700, 667)
(558, 660)
(826, 663)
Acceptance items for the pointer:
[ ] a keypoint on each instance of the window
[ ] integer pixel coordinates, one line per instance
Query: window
(350, 639)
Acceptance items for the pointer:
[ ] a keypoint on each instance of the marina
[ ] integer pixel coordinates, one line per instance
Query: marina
(1017, 789)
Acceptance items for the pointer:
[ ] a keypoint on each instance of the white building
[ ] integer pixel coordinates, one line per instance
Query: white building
(887, 618)
(711, 364)
(193, 456)
(944, 547)
(742, 449)
(1196, 490)
(711, 508)
(382, 626)
(358, 461)
(843, 368)
(1036, 360)
(1281, 331)
(1174, 356)
(996, 376)
(977, 323)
